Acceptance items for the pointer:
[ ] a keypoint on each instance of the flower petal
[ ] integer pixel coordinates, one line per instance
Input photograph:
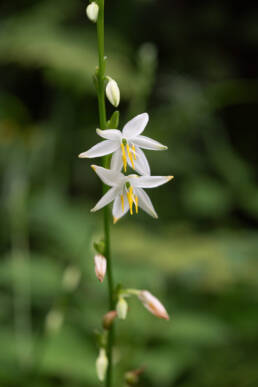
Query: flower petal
(116, 161)
(135, 126)
(148, 143)
(120, 208)
(108, 176)
(151, 181)
(110, 134)
(106, 199)
(140, 163)
(145, 203)
(101, 149)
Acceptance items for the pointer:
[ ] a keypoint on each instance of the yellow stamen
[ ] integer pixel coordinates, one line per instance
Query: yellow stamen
(134, 153)
(115, 220)
(136, 204)
(130, 199)
(124, 156)
(130, 155)
(122, 203)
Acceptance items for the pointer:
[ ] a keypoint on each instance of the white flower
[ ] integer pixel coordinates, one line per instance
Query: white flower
(126, 146)
(127, 191)
(92, 11)
(121, 308)
(100, 266)
(113, 92)
(102, 364)
(153, 304)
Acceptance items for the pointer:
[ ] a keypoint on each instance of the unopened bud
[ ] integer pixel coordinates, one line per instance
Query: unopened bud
(71, 278)
(153, 304)
(102, 364)
(92, 11)
(108, 319)
(100, 266)
(121, 308)
(113, 92)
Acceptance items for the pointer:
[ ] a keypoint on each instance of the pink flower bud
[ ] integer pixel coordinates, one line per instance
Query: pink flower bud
(153, 304)
(100, 266)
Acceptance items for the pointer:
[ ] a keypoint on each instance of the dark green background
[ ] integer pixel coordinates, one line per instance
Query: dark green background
(193, 67)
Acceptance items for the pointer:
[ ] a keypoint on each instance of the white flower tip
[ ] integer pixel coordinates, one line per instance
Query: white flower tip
(93, 167)
(98, 131)
(83, 155)
(164, 147)
(154, 215)
(115, 220)
(100, 266)
(92, 11)
(113, 92)
(144, 115)
(170, 178)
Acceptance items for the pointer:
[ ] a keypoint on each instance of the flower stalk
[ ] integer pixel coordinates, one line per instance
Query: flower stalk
(105, 163)
(119, 149)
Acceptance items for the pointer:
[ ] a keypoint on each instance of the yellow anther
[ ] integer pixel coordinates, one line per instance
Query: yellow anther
(136, 204)
(130, 199)
(130, 155)
(134, 153)
(124, 156)
(122, 202)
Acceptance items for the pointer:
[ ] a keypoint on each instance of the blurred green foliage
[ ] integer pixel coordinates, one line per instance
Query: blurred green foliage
(193, 67)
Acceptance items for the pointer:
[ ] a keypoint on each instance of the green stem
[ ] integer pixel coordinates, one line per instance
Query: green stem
(102, 121)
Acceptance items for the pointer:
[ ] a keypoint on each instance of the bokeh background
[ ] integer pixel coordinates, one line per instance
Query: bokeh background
(193, 67)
